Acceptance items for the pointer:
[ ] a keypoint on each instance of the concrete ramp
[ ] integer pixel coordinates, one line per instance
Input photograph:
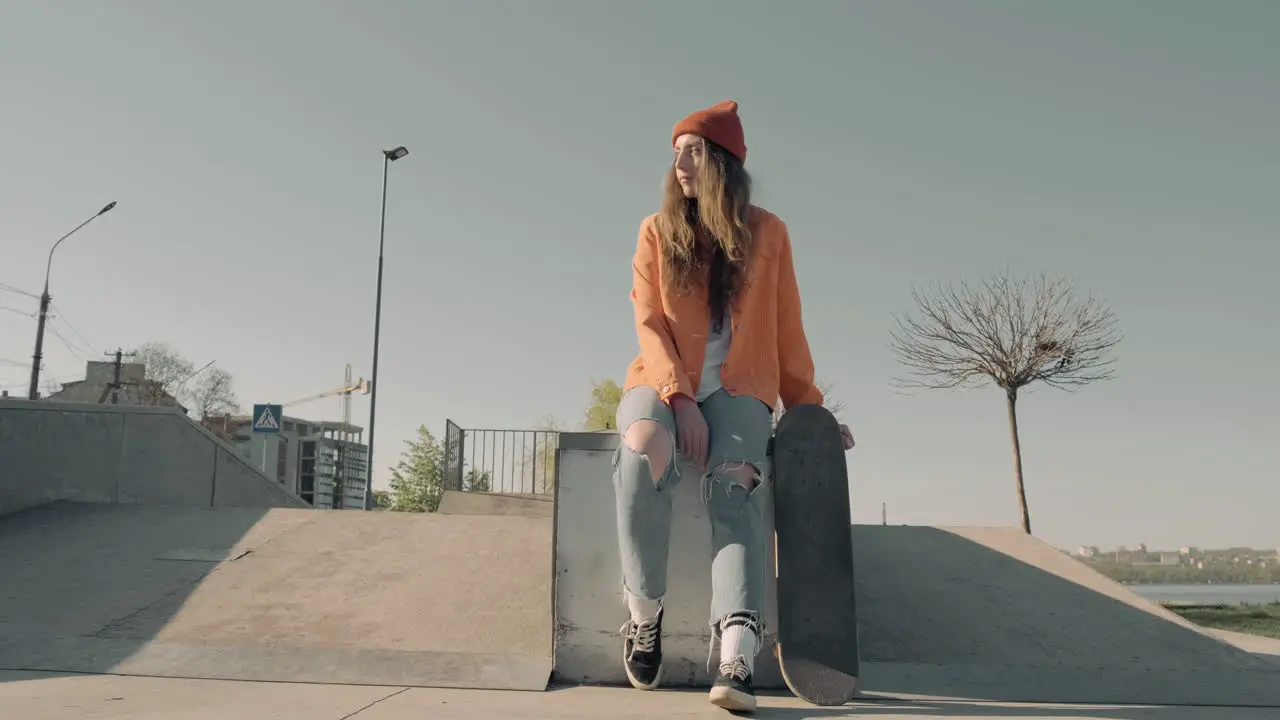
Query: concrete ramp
(122, 454)
(972, 613)
(992, 614)
(277, 595)
(457, 502)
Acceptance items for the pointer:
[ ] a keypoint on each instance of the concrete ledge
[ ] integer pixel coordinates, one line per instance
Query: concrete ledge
(589, 604)
(456, 502)
(587, 441)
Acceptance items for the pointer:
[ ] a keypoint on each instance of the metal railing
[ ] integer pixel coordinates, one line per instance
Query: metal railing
(500, 461)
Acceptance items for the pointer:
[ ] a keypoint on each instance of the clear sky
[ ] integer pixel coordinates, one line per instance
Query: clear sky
(1130, 146)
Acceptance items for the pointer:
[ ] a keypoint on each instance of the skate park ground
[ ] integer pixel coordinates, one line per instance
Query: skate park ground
(104, 697)
(146, 573)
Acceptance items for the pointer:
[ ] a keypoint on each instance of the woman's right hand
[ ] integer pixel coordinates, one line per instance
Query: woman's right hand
(691, 428)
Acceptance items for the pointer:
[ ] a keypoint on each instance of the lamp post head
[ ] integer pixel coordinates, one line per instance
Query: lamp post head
(396, 154)
(108, 207)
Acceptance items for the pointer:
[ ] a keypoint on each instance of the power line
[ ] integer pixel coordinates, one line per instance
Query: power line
(72, 346)
(55, 379)
(17, 311)
(12, 289)
(62, 317)
(67, 344)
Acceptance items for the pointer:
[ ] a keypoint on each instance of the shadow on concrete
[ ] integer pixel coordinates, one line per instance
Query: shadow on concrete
(991, 614)
(135, 542)
(279, 595)
(85, 587)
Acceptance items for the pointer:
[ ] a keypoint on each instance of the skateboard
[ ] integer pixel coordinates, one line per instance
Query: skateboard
(817, 644)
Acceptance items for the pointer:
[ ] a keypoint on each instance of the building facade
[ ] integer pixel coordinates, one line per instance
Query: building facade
(322, 462)
(103, 383)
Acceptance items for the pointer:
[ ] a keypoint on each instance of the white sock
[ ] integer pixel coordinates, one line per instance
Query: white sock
(738, 640)
(643, 609)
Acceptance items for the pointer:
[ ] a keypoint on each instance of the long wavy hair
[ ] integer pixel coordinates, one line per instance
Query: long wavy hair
(707, 239)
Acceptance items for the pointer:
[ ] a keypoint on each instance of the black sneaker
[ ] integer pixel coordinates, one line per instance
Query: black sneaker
(642, 652)
(732, 689)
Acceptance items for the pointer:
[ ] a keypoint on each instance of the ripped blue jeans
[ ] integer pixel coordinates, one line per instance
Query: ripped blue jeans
(739, 428)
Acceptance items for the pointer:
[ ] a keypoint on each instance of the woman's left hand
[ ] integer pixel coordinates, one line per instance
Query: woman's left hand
(847, 435)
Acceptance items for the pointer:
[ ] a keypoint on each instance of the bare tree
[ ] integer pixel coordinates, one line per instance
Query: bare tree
(52, 386)
(1010, 332)
(213, 394)
(171, 377)
(829, 402)
(166, 371)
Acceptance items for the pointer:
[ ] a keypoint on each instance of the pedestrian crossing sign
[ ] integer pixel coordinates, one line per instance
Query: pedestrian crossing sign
(266, 418)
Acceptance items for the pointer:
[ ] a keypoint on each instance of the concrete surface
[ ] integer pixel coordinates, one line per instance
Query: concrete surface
(281, 594)
(590, 606)
(456, 502)
(145, 579)
(1253, 643)
(993, 614)
(977, 613)
(122, 454)
(104, 697)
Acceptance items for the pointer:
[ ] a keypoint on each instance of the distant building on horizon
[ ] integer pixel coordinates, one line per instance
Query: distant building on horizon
(100, 387)
(314, 459)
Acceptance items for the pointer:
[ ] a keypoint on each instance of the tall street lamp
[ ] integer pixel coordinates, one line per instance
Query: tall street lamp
(38, 355)
(388, 157)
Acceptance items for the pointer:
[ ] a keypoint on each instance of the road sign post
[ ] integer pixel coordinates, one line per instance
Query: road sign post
(266, 420)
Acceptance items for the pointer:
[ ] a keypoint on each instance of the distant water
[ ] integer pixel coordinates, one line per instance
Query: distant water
(1209, 594)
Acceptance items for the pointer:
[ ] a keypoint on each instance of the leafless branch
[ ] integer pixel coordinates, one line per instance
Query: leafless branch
(832, 404)
(165, 371)
(213, 394)
(1008, 330)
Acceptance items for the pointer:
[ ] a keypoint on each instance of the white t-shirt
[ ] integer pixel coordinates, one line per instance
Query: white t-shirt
(717, 351)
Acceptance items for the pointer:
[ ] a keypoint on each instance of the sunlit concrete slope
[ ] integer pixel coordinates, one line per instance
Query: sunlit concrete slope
(974, 613)
(471, 503)
(991, 613)
(277, 594)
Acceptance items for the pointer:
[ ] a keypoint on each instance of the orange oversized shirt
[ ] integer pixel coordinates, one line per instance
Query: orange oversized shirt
(769, 354)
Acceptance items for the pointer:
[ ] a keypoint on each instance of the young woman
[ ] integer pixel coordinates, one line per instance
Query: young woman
(721, 339)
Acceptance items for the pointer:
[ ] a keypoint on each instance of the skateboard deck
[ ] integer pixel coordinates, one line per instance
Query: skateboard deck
(817, 612)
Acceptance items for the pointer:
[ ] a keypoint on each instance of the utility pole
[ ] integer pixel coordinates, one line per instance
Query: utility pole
(115, 382)
(33, 392)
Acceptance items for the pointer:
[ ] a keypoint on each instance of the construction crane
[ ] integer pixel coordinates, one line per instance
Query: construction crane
(341, 474)
(348, 387)
(361, 386)
(346, 390)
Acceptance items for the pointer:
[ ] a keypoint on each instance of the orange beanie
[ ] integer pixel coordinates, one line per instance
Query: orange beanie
(719, 124)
